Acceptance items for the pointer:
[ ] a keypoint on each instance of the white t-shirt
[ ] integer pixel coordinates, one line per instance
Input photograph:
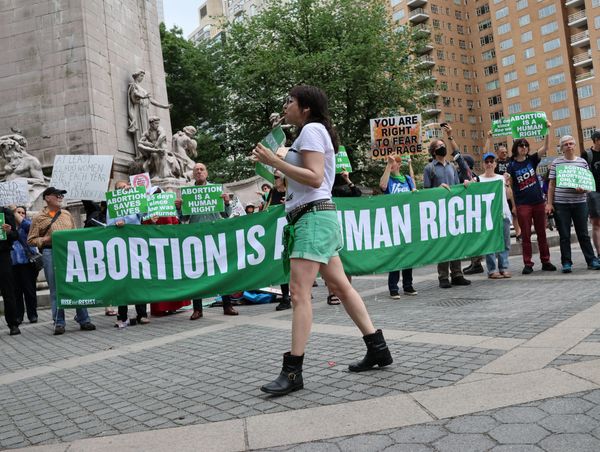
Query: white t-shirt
(495, 177)
(313, 138)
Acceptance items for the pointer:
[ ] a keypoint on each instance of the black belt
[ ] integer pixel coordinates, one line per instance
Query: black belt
(314, 206)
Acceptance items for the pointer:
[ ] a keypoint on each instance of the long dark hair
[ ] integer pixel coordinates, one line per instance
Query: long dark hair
(515, 147)
(315, 99)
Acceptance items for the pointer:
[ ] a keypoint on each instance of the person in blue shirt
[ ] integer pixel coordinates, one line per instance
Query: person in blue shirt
(393, 182)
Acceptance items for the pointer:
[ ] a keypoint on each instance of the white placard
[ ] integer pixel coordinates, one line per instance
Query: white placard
(83, 176)
(14, 192)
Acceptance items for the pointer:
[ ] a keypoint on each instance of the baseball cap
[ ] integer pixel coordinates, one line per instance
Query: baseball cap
(487, 155)
(53, 191)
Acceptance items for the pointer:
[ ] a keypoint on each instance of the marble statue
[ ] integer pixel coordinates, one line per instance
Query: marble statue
(19, 163)
(156, 159)
(184, 148)
(138, 102)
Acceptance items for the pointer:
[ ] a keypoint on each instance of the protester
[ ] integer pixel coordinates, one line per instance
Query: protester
(51, 219)
(570, 205)
(489, 175)
(592, 156)
(7, 287)
(312, 236)
(529, 199)
(264, 194)
(441, 173)
(249, 209)
(502, 160)
(392, 182)
(200, 174)
(25, 272)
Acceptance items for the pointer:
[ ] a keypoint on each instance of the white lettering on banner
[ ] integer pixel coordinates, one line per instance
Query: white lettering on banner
(74, 264)
(427, 214)
(176, 259)
(215, 254)
(401, 223)
(94, 259)
(116, 256)
(487, 199)
(159, 245)
(138, 255)
(456, 223)
(382, 232)
(241, 249)
(281, 222)
(193, 264)
(358, 235)
(253, 233)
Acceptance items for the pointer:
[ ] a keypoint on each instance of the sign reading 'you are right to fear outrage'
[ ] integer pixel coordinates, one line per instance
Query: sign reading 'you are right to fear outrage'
(395, 135)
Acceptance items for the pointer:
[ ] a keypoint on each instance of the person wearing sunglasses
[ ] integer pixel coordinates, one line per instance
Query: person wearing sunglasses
(529, 199)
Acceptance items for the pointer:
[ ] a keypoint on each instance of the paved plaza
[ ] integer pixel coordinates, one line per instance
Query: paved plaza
(509, 365)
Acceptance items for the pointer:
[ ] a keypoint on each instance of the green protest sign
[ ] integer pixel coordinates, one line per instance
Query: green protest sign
(525, 125)
(342, 162)
(200, 199)
(571, 176)
(501, 127)
(274, 140)
(161, 205)
(2, 233)
(123, 202)
(100, 266)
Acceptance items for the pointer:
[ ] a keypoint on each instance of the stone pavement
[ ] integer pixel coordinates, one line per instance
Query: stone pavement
(509, 365)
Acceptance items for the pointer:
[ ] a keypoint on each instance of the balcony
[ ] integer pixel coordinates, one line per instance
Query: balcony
(432, 95)
(425, 61)
(421, 30)
(428, 77)
(584, 76)
(431, 110)
(583, 59)
(580, 39)
(416, 3)
(418, 15)
(577, 19)
(570, 3)
(424, 48)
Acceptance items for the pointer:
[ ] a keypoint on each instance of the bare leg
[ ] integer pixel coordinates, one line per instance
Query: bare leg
(333, 272)
(302, 275)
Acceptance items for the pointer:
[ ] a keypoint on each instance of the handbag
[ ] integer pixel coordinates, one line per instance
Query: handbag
(34, 258)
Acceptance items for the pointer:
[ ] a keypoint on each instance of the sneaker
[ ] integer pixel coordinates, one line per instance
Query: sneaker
(59, 329)
(595, 264)
(460, 281)
(14, 330)
(410, 291)
(548, 267)
(567, 268)
(120, 324)
(394, 295)
(445, 284)
(87, 327)
(473, 269)
(527, 270)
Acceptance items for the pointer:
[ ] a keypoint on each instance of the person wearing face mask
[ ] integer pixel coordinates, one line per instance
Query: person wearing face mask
(441, 173)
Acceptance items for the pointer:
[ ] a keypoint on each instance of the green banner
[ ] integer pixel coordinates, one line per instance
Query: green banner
(274, 140)
(525, 125)
(161, 205)
(501, 128)
(199, 199)
(2, 233)
(571, 176)
(121, 203)
(103, 266)
(342, 162)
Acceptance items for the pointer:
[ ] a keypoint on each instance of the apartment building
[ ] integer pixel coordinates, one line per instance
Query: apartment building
(493, 58)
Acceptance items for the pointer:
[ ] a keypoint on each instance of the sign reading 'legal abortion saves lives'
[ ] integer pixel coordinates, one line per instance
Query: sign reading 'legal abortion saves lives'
(201, 199)
(123, 202)
(100, 266)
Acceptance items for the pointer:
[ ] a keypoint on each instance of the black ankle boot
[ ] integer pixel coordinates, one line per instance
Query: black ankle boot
(377, 353)
(290, 378)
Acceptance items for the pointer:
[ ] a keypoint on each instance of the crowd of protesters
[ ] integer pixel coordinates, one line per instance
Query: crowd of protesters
(525, 203)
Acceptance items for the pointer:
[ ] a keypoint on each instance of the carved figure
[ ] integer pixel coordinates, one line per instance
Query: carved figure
(20, 164)
(153, 150)
(138, 102)
(184, 148)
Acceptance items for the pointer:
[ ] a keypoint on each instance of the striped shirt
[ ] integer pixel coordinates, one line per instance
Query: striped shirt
(40, 226)
(567, 195)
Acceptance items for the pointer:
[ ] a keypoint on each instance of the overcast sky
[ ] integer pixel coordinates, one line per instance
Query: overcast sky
(183, 13)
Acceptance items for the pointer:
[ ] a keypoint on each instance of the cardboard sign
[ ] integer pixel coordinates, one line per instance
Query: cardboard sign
(525, 125)
(201, 199)
(123, 202)
(2, 233)
(501, 127)
(14, 192)
(342, 162)
(83, 176)
(395, 135)
(273, 141)
(571, 176)
(161, 205)
(142, 179)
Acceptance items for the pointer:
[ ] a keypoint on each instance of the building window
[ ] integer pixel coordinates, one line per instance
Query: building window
(504, 28)
(496, 115)
(396, 2)
(398, 15)
(546, 11)
(507, 61)
(514, 108)
(506, 44)
(588, 112)
(510, 76)
(502, 12)
(462, 44)
(536, 102)
(556, 79)
(494, 100)
(484, 24)
(558, 96)
(551, 45)
(587, 133)
(489, 70)
(527, 36)
(533, 86)
(529, 53)
(595, 3)
(436, 23)
(562, 131)
(488, 55)
(484, 9)
(583, 92)
(554, 62)
(512, 92)
(494, 84)
(549, 28)
(531, 69)
(203, 12)
(487, 39)
(561, 113)
(440, 54)
(521, 4)
(524, 20)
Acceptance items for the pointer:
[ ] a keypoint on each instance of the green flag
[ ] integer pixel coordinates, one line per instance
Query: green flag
(273, 141)
(103, 266)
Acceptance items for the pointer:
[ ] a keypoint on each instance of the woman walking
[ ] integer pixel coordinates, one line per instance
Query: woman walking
(313, 237)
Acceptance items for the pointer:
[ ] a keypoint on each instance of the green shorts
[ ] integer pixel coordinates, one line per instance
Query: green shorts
(317, 237)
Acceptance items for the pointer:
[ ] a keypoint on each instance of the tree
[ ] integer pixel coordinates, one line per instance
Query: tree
(347, 47)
